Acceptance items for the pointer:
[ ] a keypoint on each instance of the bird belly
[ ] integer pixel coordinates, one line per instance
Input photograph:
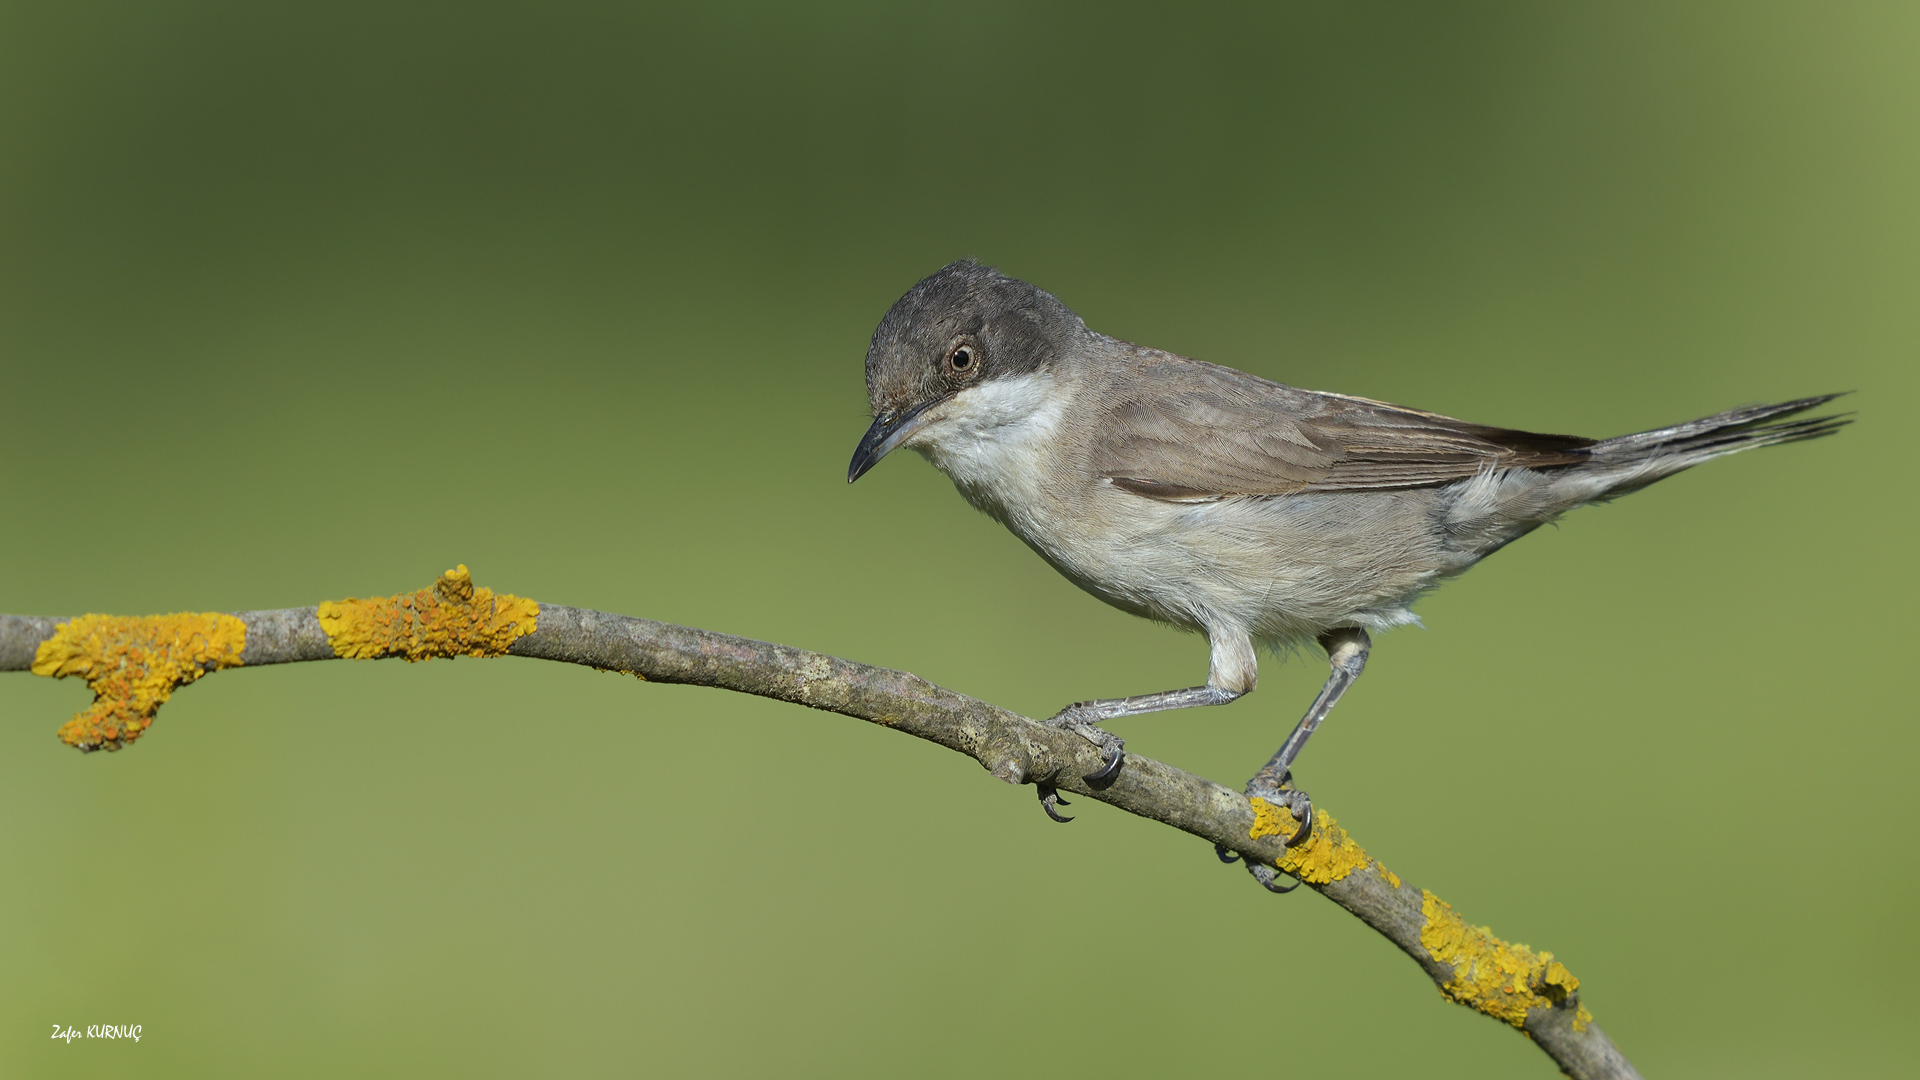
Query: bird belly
(1283, 568)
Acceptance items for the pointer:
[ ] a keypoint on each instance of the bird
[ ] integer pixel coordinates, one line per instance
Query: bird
(1200, 496)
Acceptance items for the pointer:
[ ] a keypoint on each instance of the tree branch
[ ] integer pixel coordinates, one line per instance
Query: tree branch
(134, 664)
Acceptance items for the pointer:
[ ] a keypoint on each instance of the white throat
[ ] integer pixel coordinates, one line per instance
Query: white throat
(996, 441)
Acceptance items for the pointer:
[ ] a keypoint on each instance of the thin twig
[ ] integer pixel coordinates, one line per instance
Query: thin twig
(1528, 990)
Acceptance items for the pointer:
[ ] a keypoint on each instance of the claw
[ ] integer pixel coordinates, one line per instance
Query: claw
(1300, 805)
(1306, 828)
(1265, 875)
(1297, 802)
(1113, 753)
(1108, 771)
(1050, 798)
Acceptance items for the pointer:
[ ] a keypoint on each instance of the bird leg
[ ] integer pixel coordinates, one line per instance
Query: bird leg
(1083, 718)
(1347, 650)
(1230, 676)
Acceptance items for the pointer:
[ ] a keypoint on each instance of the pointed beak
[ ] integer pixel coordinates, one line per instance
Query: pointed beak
(888, 431)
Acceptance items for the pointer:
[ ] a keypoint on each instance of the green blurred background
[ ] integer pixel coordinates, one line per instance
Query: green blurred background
(301, 301)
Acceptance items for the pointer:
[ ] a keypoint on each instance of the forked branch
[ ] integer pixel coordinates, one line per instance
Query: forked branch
(134, 664)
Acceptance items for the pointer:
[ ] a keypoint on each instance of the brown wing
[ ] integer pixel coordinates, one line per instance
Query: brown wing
(1224, 432)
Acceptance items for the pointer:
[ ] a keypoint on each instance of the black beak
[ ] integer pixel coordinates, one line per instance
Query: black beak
(888, 431)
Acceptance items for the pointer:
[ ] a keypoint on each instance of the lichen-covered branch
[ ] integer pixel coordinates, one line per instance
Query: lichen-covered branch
(134, 664)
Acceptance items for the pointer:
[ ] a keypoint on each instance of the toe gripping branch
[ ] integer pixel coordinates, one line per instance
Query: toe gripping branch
(1083, 719)
(1114, 756)
(1297, 803)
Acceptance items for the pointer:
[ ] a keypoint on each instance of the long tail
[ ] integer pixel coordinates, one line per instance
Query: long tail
(1631, 462)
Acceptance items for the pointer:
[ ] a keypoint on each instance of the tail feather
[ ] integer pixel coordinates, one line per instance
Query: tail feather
(1631, 462)
(1730, 430)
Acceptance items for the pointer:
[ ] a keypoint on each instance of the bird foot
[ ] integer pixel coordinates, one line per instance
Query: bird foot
(1297, 803)
(1267, 875)
(1083, 719)
(1080, 719)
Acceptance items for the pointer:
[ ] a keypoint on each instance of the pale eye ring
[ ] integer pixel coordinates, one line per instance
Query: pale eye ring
(961, 359)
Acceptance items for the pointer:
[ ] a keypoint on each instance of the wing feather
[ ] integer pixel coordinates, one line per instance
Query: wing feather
(1227, 433)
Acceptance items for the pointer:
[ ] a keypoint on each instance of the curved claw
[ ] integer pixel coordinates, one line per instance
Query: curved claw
(1306, 829)
(1050, 798)
(1297, 802)
(1220, 852)
(1108, 771)
(1265, 875)
(1302, 808)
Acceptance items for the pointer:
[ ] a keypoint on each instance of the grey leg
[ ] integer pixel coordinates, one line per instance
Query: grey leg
(1094, 712)
(1230, 676)
(1083, 718)
(1347, 650)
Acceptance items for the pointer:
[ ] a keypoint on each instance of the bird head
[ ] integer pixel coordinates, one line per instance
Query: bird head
(959, 331)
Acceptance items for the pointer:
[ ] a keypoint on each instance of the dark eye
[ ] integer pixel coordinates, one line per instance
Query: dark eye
(962, 358)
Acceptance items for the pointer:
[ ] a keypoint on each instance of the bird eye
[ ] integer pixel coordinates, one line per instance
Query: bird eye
(962, 359)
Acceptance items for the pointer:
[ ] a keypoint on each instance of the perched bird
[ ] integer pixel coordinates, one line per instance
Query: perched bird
(1216, 501)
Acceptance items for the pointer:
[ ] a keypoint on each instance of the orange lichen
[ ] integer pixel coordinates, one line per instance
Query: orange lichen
(132, 665)
(1504, 981)
(453, 618)
(1328, 855)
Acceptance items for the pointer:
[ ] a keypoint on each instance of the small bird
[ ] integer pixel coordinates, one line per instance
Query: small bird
(1204, 497)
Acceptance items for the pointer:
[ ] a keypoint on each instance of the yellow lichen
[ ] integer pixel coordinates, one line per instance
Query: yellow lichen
(1328, 855)
(1270, 820)
(453, 618)
(132, 665)
(1501, 980)
(1393, 879)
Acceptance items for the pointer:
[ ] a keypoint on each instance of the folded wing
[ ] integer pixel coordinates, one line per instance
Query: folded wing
(1227, 433)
